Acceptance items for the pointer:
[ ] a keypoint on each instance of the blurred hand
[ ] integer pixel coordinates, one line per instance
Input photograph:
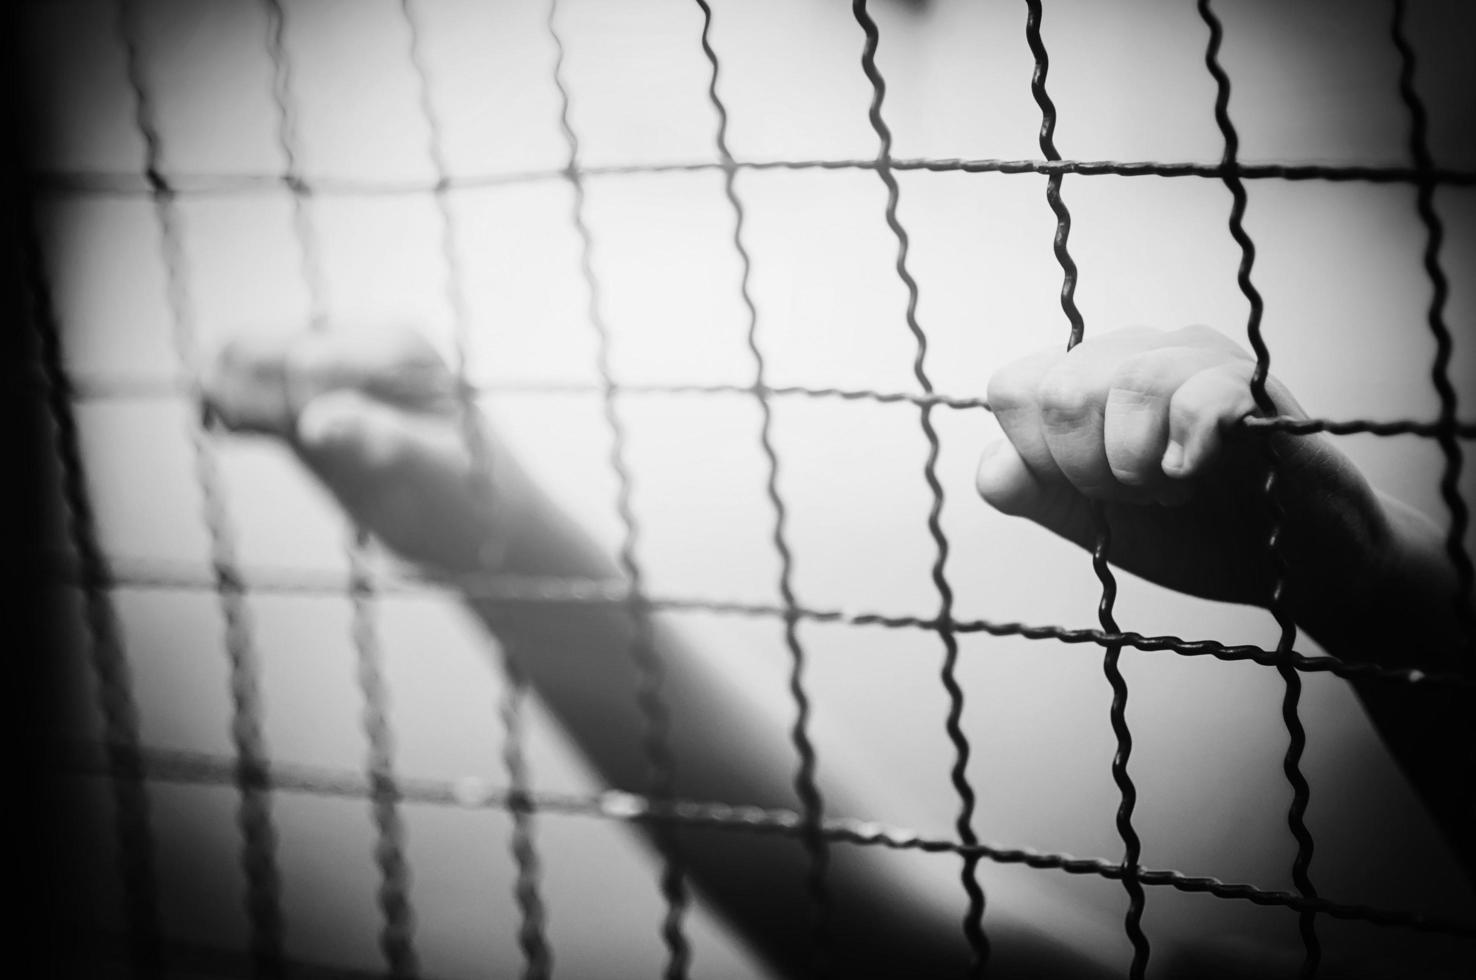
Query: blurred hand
(1146, 421)
(374, 414)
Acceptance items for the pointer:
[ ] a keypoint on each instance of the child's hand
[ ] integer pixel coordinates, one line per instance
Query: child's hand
(1147, 421)
(374, 414)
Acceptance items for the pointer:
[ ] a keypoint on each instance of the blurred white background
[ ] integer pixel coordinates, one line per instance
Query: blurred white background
(1339, 265)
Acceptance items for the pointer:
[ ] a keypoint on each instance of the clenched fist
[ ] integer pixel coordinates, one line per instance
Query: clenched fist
(1147, 421)
(373, 413)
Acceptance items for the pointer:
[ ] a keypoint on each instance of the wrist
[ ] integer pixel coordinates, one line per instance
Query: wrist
(1399, 608)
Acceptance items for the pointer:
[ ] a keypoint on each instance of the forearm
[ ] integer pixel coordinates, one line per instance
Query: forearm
(1410, 616)
(577, 657)
(1408, 613)
(375, 417)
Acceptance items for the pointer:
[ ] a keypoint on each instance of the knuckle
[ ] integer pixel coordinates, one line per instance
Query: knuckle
(1200, 335)
(1064, 395)
(1141, 377)
(1198, 332)
(1185, 412)
(1013, 386)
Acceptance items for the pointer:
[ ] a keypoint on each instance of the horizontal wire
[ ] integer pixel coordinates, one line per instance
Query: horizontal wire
(154, 574)
(103, 182)
(101, 387)
(475, 792)
(1373, 427)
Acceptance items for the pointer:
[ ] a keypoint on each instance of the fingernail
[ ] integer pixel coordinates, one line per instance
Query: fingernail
(986, 474)
(322, 423)
(1173, 459)
(210, 419)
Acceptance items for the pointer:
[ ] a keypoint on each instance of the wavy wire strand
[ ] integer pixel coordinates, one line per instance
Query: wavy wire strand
(812, 804)
(655, 740)
(1296, 733)
(532, 929)
(396, 936)
(95, 386)
(1446, 431)
(252, 762)
(107, 654)
(472, 792)
(522, 804)
(111, 183)
(1128, 793)
(515, 589)
(973, 923)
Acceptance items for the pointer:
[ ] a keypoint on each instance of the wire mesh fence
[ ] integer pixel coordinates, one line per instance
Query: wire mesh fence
(131, 766)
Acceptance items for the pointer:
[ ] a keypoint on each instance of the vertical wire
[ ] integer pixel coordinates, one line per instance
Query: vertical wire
(1280, 610)
(288, 141)
(812, 806)
(252, 763)
(973, 919)
(655, 740)
(532, 931)
(1128, 793)
(537, 956)
(396, 937)
(1446, 437)
(108, 655)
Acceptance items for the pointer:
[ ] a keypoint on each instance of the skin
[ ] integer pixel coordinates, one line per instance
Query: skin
(1144, 421)
(373, 414)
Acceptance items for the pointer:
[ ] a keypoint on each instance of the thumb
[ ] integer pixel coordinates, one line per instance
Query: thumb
(406, 478)
(1009, 486)
(1006, 483)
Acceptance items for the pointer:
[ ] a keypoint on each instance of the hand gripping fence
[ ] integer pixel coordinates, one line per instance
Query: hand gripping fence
(132, 766)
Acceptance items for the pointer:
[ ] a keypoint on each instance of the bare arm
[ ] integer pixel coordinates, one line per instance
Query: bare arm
(1146, 422)
(372, 414)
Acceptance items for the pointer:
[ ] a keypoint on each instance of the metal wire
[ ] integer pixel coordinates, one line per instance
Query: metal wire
(532, 938)
(111, 183)
(153, 574)
(107, 654)
(476, 793)
(1450, 490)
(649, 669)
(1128, 793)
(251, 770)
(97, 387)
(537, 954)
(396, 936)
(1278, 605)
(973, 920)
(128, 764)
(812, 805)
